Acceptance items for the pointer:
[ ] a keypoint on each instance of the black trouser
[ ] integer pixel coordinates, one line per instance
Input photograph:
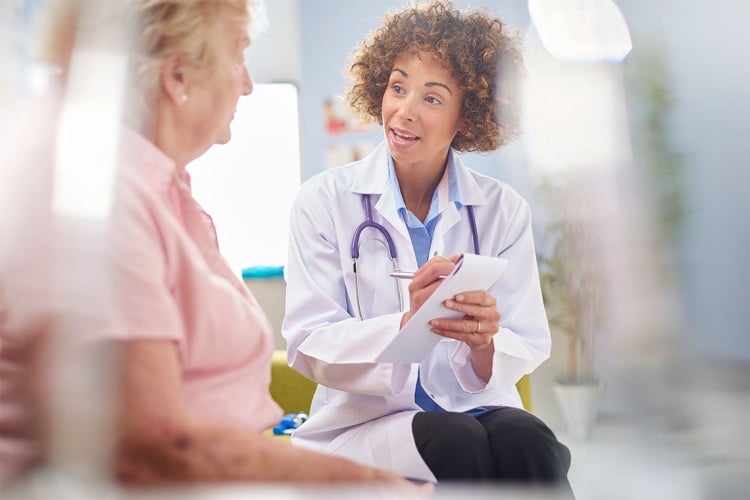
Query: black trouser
(505, 444)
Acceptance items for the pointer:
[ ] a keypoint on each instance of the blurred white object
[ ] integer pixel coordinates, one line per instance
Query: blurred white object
(87, 134)
(265, 135)
(581, 30)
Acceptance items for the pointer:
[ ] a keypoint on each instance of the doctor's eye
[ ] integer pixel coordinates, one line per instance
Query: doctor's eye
(397, 88)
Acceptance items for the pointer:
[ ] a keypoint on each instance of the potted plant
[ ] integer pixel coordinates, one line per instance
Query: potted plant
(573, 286)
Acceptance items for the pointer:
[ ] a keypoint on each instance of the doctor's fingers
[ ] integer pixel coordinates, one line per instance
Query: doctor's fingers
(425, 281)
(418, 295)
(467, 325)
(480, 305)
(440, 259)
(473, 332)
(433, 271)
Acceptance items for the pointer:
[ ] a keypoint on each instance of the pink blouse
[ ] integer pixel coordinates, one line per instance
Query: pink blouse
(152, 270)
(172, 283)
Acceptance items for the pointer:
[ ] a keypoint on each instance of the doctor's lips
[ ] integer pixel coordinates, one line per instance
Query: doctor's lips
(403, 135)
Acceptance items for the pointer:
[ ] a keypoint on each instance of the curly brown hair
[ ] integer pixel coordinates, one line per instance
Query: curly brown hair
(480, 51)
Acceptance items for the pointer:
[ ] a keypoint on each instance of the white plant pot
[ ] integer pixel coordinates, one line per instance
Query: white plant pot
(579, 403)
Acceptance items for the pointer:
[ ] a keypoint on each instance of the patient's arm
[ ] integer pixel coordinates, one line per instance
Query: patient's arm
(160, 442)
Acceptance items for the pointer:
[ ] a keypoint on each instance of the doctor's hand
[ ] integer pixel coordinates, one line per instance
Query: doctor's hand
(426, 279)
(477, 327)
(480, 321)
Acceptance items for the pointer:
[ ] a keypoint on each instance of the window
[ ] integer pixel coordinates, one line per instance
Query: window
(248, 184)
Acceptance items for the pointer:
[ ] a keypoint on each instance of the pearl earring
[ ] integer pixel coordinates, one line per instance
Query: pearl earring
(183, 98)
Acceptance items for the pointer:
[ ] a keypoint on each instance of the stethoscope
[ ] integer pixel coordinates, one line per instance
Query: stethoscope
(369, 222)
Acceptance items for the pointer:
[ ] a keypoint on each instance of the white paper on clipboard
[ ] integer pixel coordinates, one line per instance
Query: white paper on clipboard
(415, 340)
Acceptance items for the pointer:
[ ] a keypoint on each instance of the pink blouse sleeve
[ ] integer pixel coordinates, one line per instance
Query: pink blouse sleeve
(143, 305)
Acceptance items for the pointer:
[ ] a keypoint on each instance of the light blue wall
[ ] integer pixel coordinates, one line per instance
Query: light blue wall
(707, 48)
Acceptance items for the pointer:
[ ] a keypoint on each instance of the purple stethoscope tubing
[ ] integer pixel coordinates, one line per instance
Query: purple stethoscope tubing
(369, 222)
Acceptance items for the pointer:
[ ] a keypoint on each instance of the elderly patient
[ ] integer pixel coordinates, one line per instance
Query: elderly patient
(193, 347)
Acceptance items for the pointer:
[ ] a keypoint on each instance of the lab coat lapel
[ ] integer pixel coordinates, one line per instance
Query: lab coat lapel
(372, 176)
(471, 194)
(386, 207)
(448, 218)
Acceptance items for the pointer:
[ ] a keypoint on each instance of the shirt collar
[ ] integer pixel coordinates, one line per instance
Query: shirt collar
(449, 182)
(151, 163)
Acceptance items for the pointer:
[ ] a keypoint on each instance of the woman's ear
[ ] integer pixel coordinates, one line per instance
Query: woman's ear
(173, 82)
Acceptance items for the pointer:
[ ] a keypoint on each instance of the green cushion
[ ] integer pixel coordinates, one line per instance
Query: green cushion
(524, 390)
(291, 390)
(294, 392)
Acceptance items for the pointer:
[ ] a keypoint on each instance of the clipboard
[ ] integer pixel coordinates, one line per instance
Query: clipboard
(415, 340)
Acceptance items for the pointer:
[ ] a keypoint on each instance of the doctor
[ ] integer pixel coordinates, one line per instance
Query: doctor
(429, 74)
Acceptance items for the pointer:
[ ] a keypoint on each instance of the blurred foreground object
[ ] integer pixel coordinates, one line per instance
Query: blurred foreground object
(54, 400)
(677, 415)
(576, 139)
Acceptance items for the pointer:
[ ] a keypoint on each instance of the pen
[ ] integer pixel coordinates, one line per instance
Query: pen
(406, 275)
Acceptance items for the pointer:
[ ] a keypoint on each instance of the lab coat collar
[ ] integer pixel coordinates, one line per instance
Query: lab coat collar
(372, 178)
(471, 192)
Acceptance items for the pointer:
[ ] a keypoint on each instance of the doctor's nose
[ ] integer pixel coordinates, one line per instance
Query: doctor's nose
(408, 110)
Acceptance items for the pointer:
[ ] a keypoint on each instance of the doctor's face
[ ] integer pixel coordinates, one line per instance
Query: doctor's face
(421, 111)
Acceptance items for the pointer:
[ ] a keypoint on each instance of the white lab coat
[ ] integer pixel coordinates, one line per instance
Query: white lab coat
(361, 409)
